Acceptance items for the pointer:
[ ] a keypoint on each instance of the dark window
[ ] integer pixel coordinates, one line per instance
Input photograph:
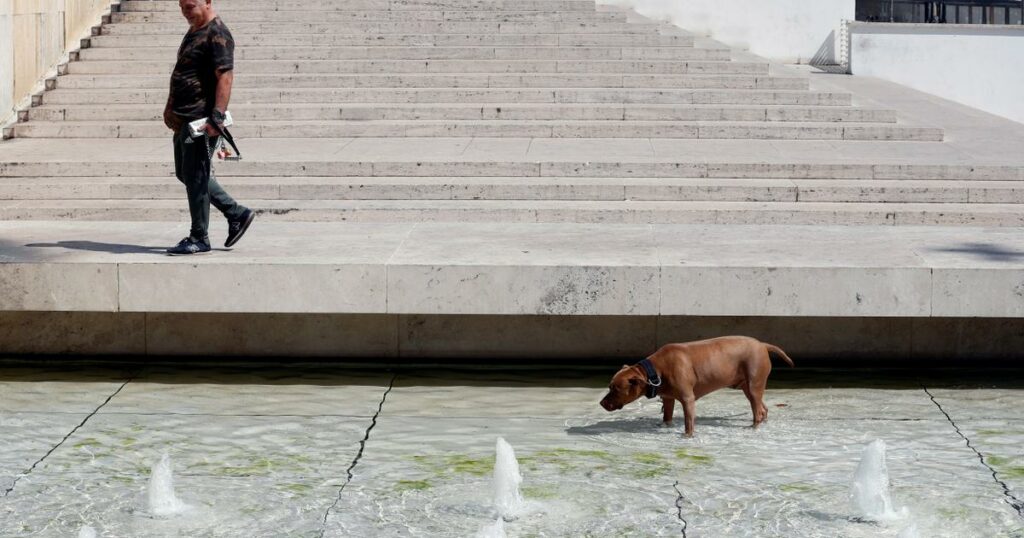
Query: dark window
(941, 11)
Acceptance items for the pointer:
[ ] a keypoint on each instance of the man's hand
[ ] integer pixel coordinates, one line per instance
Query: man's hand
(210, 130)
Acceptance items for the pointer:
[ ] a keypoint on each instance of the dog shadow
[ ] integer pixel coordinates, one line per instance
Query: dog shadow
(649, 424)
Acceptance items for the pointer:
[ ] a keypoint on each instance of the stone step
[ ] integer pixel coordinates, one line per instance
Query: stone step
(759, 130)
(231, 17)
(228, 6)
(541, 211)
(466, 80)
(480, 111)
(470, 95)
(410, 40)
(395, 27)
(144, 166)
(530, 188)
(422, 53)
(621, 67)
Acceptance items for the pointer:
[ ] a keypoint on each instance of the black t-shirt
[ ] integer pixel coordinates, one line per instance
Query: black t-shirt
(203, 54)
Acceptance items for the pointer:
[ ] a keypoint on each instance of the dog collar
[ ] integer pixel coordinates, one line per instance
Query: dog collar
(653, 380)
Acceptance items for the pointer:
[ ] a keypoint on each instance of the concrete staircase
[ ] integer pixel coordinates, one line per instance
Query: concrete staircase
(508, 178)
(324, 72)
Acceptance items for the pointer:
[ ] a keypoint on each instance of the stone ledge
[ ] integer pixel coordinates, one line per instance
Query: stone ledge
(207, 336)
(519, 269)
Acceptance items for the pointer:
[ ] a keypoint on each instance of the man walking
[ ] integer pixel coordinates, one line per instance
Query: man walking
(201, 88)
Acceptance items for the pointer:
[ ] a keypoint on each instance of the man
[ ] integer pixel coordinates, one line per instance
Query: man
(201, 88)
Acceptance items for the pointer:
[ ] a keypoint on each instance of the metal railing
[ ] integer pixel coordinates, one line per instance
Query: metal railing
(942, 12)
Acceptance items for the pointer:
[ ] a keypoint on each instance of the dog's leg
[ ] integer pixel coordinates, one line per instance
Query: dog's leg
(689, 414)
(757, 408)
(668, 405)
(755, 394)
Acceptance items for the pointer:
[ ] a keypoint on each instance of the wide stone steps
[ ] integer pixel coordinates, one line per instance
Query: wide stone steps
(245, 82)
(132, 166)
(232, 16)
(528, 188)
(369, 5)
(481, 111)
(498, 129)
(409, 40)
(541, 211)
(396, 27)
(439, 66)
(421, 53)
(497, 95)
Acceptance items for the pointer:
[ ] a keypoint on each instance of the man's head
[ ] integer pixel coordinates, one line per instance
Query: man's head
(197, 12)
(627, 386)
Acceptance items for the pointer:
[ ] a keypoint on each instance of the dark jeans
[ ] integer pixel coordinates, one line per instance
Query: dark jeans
(193, 166)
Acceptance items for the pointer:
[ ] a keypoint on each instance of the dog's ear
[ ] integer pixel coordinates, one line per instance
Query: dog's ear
(624, 366)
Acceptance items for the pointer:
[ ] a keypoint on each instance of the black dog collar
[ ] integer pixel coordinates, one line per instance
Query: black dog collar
(653, 381)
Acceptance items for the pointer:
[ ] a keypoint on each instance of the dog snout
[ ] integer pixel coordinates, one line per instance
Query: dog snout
(608, 404)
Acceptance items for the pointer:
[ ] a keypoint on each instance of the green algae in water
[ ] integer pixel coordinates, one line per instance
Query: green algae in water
(798, 487)
(87, 443)
(700, 459)
(649, 458)
(539, 492)
(297, 489)
(412, 485)
(568, 452)
(459, 463)
(652, 472)
(1003, 467)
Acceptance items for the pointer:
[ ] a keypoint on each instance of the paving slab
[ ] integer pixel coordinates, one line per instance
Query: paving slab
(433, 476)
(27, 439)
(127, 445)
(216, 506)
(253, 393)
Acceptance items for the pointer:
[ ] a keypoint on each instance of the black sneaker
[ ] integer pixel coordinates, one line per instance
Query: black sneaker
(237, 228)
(190, 246)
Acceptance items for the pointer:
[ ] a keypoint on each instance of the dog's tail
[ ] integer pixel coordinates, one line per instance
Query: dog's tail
(774, 350)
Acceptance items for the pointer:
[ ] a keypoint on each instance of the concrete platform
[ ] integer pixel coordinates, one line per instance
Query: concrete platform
(509, 269)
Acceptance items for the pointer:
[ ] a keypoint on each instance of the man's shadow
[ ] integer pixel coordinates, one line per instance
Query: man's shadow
(93, 246)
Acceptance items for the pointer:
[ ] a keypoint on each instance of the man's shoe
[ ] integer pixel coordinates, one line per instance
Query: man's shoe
(237, 228)
(190, 246)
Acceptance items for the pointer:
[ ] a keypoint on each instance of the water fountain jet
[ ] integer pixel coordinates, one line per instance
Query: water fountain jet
(870, 488)
(162, 500)
(494, 530)
(507, 498)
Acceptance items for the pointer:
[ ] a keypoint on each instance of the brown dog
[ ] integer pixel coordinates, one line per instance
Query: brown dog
(685, 372)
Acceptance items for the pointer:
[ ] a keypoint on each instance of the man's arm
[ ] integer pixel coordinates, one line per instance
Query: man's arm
(225, 79)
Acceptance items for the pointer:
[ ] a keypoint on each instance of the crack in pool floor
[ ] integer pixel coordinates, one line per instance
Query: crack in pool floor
(359, 455)
(679, 506)
(1013, 501)
(66, 437)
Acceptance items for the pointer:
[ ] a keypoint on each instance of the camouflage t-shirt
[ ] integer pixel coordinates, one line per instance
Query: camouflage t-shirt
(203, 54)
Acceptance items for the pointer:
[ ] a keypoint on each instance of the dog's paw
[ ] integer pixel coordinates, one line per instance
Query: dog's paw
(666, 424)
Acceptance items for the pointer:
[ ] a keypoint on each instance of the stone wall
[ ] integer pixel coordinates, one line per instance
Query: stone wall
(384, 337)
(792, 31)
(34, 36)
(981, 66)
